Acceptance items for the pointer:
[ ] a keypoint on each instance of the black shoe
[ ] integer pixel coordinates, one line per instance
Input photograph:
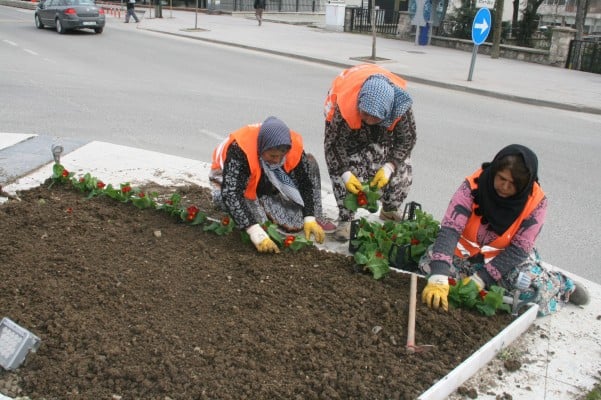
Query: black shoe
(579, 296)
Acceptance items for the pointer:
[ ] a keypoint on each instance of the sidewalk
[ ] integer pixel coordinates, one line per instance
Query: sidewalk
(560, 354)
(501, 78)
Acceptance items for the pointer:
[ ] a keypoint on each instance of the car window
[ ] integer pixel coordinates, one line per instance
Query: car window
(86, 2)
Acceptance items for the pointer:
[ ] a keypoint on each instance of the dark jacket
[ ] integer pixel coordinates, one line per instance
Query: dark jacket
(259, 4)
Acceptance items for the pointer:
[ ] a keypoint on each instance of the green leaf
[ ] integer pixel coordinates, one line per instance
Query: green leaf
(350, 202)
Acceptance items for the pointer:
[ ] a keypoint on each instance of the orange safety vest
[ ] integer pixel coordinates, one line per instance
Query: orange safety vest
(468, 245)
(247, 138)
(345, 92)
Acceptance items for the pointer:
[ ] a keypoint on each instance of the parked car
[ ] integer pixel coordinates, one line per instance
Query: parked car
(64, 15)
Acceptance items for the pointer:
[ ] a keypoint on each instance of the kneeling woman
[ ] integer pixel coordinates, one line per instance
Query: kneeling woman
(488, 234)
(261, 172)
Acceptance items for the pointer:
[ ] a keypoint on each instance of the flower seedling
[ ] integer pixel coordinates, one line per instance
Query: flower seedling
(221, 227)
(295, 243)
(388, 238)
(467, 295)
(366, 198)
(193, 216)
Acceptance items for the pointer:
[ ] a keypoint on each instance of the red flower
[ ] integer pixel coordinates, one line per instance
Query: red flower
(482, 294)
(379, 254)
(141, 194)
(65, 173)
(100, 185)
(289, 240)
(361, 199)
(225, 221)
(81, 180)
(192, 211)
(170, 202)
(126, 189)
(414, 241)
(452, 281)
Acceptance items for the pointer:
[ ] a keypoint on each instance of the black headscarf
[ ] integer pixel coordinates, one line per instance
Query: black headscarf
(500, 212)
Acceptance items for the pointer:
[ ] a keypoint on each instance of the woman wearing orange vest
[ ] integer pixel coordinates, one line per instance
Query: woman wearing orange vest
(260, 172)
(369, 135)
(488, 234)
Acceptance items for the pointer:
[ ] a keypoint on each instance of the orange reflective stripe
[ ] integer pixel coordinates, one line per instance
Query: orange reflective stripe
(345, 92)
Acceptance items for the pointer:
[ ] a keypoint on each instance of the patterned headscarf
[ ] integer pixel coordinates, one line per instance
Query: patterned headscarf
(381, 98)
(273, 133)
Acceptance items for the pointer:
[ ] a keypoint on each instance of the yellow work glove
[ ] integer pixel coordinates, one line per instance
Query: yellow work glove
(261, 239)
(312, 227)
(351, 182)
(477, 280)
(436, 292)
(382, 176)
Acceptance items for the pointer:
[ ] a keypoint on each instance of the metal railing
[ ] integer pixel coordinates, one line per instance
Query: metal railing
(275, 5)
(359, 20)
(584, 56)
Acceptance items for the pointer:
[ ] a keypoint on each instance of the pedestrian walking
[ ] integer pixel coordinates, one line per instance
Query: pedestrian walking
(131, 12)
(259, 6)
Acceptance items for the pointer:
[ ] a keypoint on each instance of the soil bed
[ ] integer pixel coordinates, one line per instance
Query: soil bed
(125, 313)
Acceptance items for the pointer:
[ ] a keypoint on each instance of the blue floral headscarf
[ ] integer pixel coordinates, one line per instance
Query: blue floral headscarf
(383, 99)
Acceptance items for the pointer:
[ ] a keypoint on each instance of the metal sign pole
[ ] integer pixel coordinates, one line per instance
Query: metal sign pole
(480, 30)
(474, 52)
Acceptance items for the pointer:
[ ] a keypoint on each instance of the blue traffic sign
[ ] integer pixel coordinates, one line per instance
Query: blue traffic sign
(481, 26)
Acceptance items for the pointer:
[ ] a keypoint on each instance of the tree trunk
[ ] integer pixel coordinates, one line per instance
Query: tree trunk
(581, 9)
(373, 29)
(498, 26)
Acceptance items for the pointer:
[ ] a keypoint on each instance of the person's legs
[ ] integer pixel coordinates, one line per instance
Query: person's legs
(282, 212)
(133, 13)
(127, 15)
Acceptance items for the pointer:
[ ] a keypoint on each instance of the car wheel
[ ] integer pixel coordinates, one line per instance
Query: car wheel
(38, 22)
(59, 26)
(98, 30)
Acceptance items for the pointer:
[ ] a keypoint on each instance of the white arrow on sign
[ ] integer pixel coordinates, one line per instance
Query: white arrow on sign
(482, 26)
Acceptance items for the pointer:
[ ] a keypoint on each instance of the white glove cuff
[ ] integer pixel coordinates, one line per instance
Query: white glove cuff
(438, 279)
(308, 219)
(478, 281)
(346, 176)
(256, 233)
(388, 169)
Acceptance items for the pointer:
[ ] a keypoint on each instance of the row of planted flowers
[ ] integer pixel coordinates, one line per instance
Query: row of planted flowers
(375, 245)
(192, 215)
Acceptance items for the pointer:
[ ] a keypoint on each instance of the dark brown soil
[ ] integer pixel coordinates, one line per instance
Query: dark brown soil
(126, 313)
